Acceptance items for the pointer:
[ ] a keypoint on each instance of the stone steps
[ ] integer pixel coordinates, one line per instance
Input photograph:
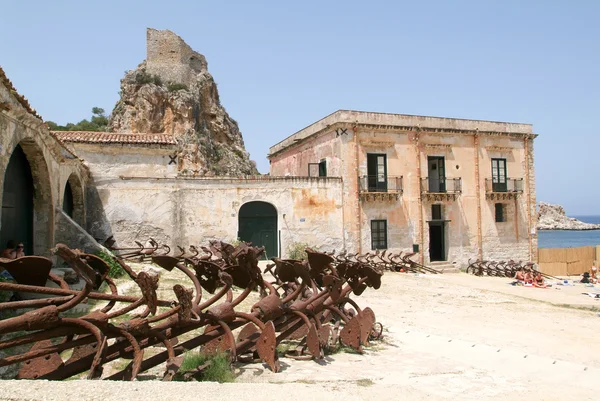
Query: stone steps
(444, 267)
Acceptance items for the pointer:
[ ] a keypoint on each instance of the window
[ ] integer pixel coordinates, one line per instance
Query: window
(323, 168)
(436, 212)
(317, 169)
(499, 182)
(378, 234)
(500, 213)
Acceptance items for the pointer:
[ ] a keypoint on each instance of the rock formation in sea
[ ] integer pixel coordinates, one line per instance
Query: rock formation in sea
(553, 217)
(172, 92)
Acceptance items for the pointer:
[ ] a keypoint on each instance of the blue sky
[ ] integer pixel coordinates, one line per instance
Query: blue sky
(283, 65)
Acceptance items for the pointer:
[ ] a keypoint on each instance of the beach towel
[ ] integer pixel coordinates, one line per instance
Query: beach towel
(592, 294)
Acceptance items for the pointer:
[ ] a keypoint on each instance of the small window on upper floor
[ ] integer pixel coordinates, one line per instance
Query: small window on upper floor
(323, 168)
(436, 212)
(500, 212)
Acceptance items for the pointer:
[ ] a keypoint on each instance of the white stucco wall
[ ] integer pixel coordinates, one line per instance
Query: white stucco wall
(193, 211)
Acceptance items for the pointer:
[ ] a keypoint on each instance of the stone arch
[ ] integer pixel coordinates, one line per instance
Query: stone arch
(73, 199)
(33, 174)
(257, 223)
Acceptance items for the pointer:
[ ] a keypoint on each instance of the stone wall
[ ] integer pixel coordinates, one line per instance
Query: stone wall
(194, 211)
(70, 233)
(115, 160)
(52, 166)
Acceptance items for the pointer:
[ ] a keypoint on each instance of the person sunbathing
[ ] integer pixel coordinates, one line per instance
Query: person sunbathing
(519, 275)
(528, 278)
(538, 281)
(594, 275)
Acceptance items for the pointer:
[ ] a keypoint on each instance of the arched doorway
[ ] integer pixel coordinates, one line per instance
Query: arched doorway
(73, 200)
(258, 224)
(68, 200)
(17, 202)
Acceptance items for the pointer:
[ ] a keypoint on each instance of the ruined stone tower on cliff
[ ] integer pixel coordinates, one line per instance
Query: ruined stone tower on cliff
(170, 58)
(172, 92)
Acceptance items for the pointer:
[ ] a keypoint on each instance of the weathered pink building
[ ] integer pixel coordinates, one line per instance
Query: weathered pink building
(452, 189)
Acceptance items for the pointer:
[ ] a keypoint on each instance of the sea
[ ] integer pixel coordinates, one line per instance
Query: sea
(570, 238)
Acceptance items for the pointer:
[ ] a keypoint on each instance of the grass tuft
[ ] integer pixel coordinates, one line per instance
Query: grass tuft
(116, 270)
(364, 382)
(339, 348)
(219, 369)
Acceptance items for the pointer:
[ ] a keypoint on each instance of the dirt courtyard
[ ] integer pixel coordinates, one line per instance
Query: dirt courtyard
(452, 336)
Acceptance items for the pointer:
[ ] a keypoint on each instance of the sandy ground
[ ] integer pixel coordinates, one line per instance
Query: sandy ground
(452, 336)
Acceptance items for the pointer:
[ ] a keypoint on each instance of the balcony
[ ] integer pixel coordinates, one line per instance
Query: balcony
(380, 187)
(441, 189)
(510, 189)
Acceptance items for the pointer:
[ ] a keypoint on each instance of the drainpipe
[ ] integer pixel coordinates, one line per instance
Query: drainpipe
(358, 205)
(478, 191)
(527, 183)
(343, 215)
(421, 217)
(517, 218)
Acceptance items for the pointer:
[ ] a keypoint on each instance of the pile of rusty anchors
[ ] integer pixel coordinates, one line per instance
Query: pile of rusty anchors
(384, 260)
(317, 290)
(503, 268)
(312, 301)
(140, 252)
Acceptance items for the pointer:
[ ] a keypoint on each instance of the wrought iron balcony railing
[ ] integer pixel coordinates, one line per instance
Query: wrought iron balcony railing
(440, 189)
(380, 186)
(441, 185)
(495, 189)
(509, 185)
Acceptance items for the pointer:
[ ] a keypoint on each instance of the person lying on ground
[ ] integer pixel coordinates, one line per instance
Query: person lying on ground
(538, 281)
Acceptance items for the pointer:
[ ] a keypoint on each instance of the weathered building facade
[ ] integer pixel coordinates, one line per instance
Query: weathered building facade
(452, 189)
(142, 192)
(43, 183)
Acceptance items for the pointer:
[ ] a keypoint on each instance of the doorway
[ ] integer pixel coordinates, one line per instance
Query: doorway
(17, 202)
(377, 172)
(437, 246)
(68, 200)
(258, 224)
(436, 170)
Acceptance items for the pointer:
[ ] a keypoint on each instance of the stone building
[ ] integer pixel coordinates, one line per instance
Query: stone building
(175, 169)
(452, 189)
(141, 193)
(43, 183)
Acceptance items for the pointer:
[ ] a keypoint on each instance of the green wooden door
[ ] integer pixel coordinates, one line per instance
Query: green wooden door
(437, 173)
(377, 172)
(258, 225)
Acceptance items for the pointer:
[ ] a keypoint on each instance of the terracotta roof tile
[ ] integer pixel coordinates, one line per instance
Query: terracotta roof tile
(20, 98)
(113, 137)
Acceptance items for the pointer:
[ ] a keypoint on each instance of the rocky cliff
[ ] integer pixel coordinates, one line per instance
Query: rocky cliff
(553, 217)
(172, 92)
